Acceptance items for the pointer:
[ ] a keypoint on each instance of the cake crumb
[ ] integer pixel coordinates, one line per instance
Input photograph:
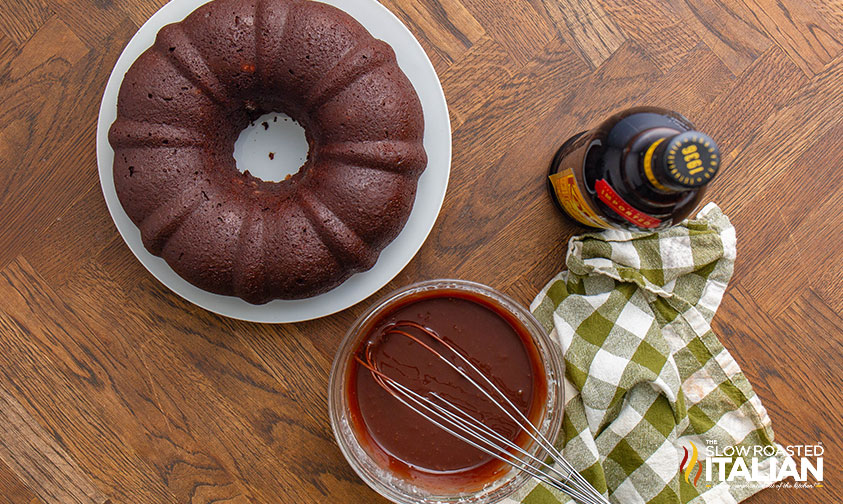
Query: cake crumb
(265, 125)
(271, 155)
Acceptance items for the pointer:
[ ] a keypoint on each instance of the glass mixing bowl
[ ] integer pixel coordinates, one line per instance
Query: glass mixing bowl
(380, 478)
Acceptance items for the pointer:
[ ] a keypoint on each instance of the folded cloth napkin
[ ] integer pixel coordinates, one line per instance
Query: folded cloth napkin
(650, 392)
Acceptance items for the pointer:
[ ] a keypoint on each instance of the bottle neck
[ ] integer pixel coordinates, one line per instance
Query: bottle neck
(651, 164)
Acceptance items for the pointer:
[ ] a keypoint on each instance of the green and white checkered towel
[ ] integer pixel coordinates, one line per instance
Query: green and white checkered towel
(647, 380)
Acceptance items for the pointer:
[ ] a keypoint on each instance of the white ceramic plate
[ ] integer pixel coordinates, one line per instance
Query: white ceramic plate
(431, 190)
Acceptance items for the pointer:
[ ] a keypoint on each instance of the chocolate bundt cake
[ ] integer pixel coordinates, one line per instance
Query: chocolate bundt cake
(184, 102)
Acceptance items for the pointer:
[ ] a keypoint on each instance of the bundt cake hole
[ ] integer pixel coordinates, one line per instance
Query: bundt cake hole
(270, 149)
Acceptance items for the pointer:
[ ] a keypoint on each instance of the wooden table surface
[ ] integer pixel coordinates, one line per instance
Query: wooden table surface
(113, 389)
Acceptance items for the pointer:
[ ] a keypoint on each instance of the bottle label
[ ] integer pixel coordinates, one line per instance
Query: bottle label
(569, 196)
(614, 201)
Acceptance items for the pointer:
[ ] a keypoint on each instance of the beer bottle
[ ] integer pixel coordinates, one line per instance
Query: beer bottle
(643, 169)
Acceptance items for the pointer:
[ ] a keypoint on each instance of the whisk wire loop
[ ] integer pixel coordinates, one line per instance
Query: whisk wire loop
(405, 394)
(531, 430)
(465, 427)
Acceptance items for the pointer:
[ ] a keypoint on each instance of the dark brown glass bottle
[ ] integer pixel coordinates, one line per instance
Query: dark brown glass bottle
(643, 169)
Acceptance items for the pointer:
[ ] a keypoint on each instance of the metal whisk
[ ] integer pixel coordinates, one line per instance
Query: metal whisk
(559, 474)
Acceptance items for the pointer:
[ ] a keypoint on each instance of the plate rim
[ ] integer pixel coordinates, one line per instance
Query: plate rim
(434, 105)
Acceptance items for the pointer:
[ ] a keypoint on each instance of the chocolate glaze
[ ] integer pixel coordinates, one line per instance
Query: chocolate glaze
(408, 444)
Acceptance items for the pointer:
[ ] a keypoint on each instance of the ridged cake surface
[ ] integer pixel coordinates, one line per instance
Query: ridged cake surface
(183, 104)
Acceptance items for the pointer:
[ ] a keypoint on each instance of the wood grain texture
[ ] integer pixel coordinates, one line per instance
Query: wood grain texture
(113, 389)
(517, 26)
(727, 28)
(779, 231)
(800, 30)
(35, 456)
(82, 231)
(49, 106)
(590, 29)
(91, 20)
(656, 26)
(140, 10)
(12, 489)
(7, 48)
(48, 370)
(749, 101)
(455, 29)
(692, 85)
(20, 19)
(485, 66)
(832, 12)
(788, 133)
